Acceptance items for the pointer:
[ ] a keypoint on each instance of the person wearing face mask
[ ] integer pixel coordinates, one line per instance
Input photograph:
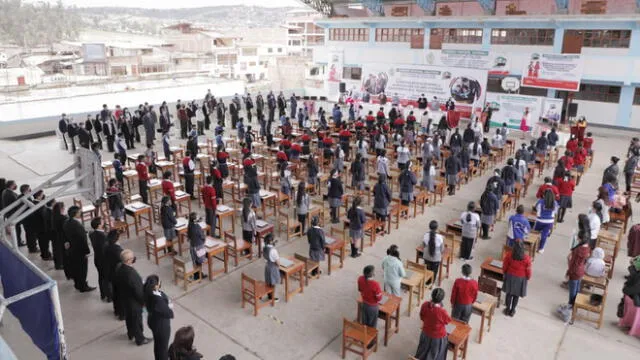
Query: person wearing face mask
(160, 310)
(131, 294)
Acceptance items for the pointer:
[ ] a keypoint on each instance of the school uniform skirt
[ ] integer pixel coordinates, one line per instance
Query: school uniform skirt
(169, 234)
(431, 349)
(256, 201)
(566, 201)
(335, 202)
(427, 182)
(515, 285)
(406, 196)
(316, 255)
(381, 211)
(509, 189)
(452, 179)
(487, 219)
(272, 274)
(369, 315)
(356, 234)
(357, 184)
(224, 170)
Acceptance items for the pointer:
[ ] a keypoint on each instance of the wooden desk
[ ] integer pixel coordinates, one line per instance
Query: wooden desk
(175, 151)
(129, 176)
(272, 199)
(369, 226)
(459, 339)
(414, 280)
(223, 212)
(293, 271)
(445, 253)
(183, 200)
(155, 186)
(181, 230)
(215, 248)
(485, 309)
(454, 227)
(132, 158)
(165, 166)
(389, 311)
(140, 211)
(490, 271)
(261, 232)
(336, 248)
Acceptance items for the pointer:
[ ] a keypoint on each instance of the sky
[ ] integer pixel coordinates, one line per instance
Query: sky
(171, 4)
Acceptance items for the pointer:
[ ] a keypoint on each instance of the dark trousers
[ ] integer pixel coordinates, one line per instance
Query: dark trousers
(272, 113)
(628, 180)
(249, 115)
(433, 266)
(64, 138)
(110, 141)
(103, 282)
(67, 263)
(99, 139)
(80, 268)
(144, 193)
(136, 131)
(183, 129)
(210, 219)
(161, 337)
(234, 120)
(133, 318)
(465, 247)
(44, 238)
(511, 301)
(561, 213)
(302, 219)
(32, 238)
(118, 307)
(188, 183)
(73, 145)
(207, 122)
(129, 140)
(485, 231)
(58, 252)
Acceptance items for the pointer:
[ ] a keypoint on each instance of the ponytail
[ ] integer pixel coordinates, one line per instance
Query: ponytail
(432, 242)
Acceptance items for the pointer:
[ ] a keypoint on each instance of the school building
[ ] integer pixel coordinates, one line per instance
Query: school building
(606, 34)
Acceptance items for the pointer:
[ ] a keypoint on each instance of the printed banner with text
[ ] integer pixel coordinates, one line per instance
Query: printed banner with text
(495, 63)
(553, 71)
(464, 86)
(512, 109)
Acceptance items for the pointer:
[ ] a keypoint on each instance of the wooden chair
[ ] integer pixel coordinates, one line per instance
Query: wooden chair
(489, 286)
(438, 190)
(281, 197)
(253, 291)
(87, 212)
(156, 245)
(184, 269)
(309, 267)
(121, 226)
(359, 339)
(582, 302)
(289, 224)
(236, 247)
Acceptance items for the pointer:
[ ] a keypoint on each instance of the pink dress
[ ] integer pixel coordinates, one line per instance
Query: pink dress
(523, 123)
(631, 318)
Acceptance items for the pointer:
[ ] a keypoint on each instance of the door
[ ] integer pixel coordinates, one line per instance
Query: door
(572, 42)
(435, 40)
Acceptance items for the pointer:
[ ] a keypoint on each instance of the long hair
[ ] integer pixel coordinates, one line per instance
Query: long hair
(149, 287)
(476, 145)
(301, 192)
(433, 226)
(517, 252)
(549, 199)
(603, 194)
(246, 209)
(182, 342)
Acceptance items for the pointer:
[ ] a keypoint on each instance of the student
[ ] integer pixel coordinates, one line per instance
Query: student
(168, 220)
(196, 242)
(433, 337)
(470, 224)
(334, 194)
(382, 165)
(272, 268)
(312, 170)
(576, 266)
(463, 295)
(393, 271)
(182, 346)
(595, 222)
(302, 205)
(381, 200)
(338, 164)
(546, 209)
(595, 265)
(160, 313)
(558, 173)
(548, 185)
(509, 176)
(249, 226)
(117, 168)
(357, 219)
(114, 199)
(516, 266)
(489, 205)
(404, 156)
(497, 140)
(168, 189)
(475, 151)
(189, 167)
(566, 186)
(210, 201)
(285, 179)
(143, 178)
(371, 295)
(407, 181)
(250, 178)
(452, 168)
(317, 243)
(519, 226)
(630, 168)
(357, 173)
(433, 248)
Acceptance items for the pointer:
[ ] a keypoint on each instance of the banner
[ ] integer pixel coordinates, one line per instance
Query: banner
(552, 109)
(464, 86)
(495, 63)
(336, 62)
(513, 108)
(553, 71)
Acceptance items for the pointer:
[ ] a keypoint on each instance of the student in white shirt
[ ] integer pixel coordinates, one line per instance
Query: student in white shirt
(497, 140)
(425, 123)
(272, 269)
(470, 221)
(595, 221)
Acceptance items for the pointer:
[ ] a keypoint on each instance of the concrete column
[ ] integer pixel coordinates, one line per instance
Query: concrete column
(634, 45)
(623, 117)
(558, 39)
(427, 37)
(372, 35)
(486, 38)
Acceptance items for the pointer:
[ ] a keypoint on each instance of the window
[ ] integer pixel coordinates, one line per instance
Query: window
(522, 36)
(270, 50)
(462, 36)
(603, 38)
(279, 50)
(252, 63)
(397, 35)
(249, 52)
(636, 97)
(152, 68)
(355, 34)
(352, 73)
(225, 59)
(601, 93)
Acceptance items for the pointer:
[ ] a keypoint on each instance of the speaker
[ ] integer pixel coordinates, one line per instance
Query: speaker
(343, 87)
(573, 110)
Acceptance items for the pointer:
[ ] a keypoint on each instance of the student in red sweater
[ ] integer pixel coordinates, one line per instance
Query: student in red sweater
(572, 144)
(210, 201)
(516, 266)
(588, 143)
(371, 293)
(576, 265)
(548, 184)
(579, 158)
(463, 294)
(433, 337)
(143, 178)
(168, 189)
(567, 159)
(566, 186)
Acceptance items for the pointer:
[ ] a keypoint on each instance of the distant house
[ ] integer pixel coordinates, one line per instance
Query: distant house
(121, 59)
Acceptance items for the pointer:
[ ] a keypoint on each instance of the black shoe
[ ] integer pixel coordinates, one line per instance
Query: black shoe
(356, 255)
(22, 243)
(130, 337)
(33, 251)
(512, 312)
(108, 300)
(144, 341)
(87, 289)
(59, 268)
(121, 318)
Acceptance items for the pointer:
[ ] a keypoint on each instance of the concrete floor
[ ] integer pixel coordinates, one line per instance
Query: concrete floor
(309, 327)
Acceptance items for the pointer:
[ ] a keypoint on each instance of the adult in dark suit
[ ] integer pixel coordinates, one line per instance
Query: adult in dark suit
(78, 249)
(97, 127)
(248, 104)
(271, 104)
(149, 121)
(63, 125)
(58, 219)
(160, 310)
(72, 131)
(259, 105)
(84, 137)
(111, 263)
(9, 196)
(88, 125)
(131, 293)
(108, 126)
(99, 244)
(33, 223)
(233, 111)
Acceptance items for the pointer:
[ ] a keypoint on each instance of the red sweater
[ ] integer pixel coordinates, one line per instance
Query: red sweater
(579, 256)
(519, 268)
(580, 156)
(370, 119)
(169, 189)
(464, 292)
(411, 119)
(328, 142)
(587, 143)
(143, 171)
(305, 138)
(566, 187)
(544, 188)
(209, 197)
(370, 291)
(568, 162)
(296, 147)
(249, 161)
(434, 319)
(572, 145)
(282, 156)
